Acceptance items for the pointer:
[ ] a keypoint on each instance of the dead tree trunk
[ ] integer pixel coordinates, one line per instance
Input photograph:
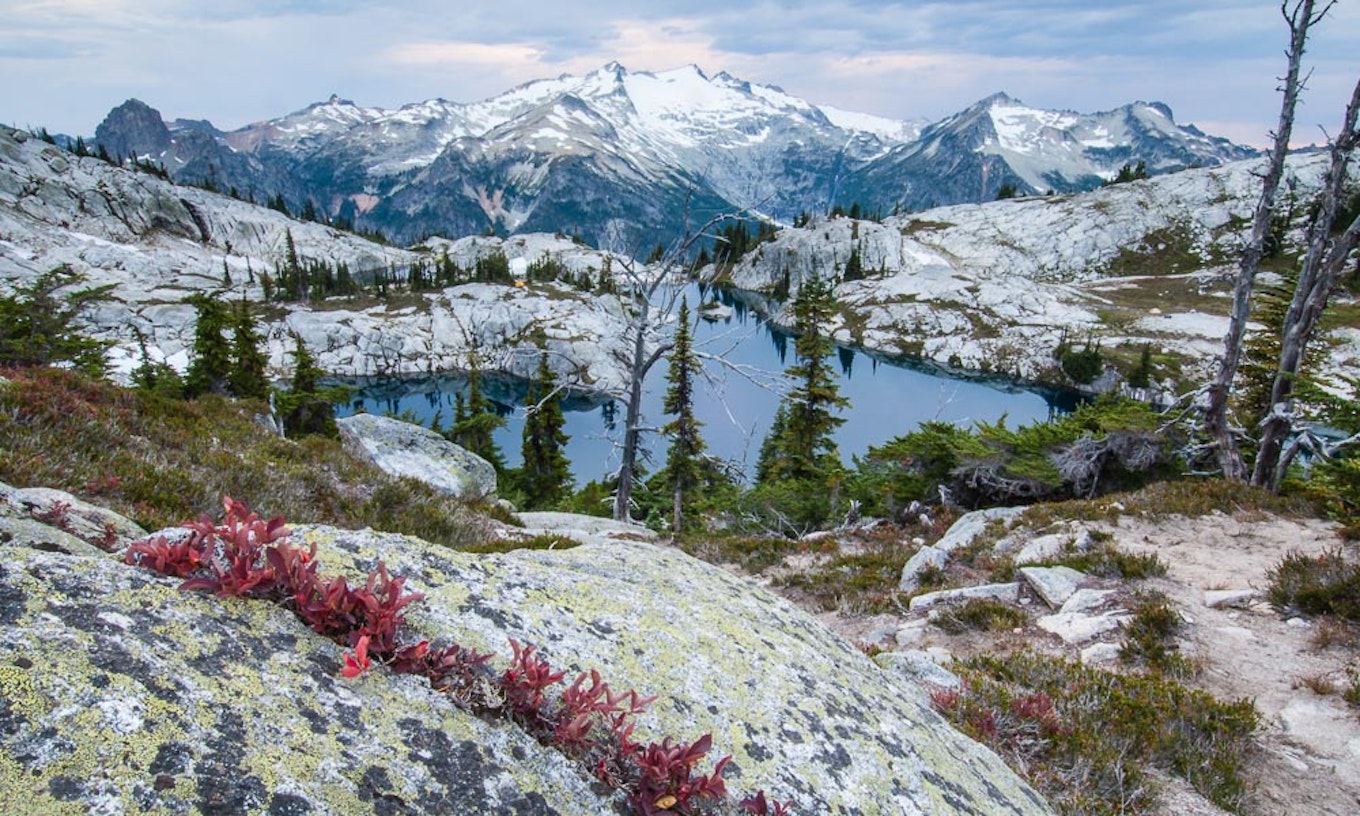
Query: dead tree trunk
(640, 364)
(651, 307)
(1323, 261)
(1216, 421)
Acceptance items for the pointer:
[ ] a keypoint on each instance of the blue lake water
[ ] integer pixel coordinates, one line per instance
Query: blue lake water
(736, 401)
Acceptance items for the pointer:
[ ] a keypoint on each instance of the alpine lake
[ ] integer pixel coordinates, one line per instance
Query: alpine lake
(736, 399)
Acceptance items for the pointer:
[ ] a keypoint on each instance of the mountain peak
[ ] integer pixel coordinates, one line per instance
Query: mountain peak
(997, 99)
(134, 128)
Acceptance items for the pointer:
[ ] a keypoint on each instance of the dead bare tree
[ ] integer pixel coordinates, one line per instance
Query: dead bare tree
(1300, 17)
(1323, 261)
(651, 302)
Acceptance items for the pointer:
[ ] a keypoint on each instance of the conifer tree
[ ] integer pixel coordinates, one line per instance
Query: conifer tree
(210, 366)
(475, 422)
(545, 474)
(305, 408)
(38, 325)
(683, 471)
(247, 375)
(804, 449)
(770, 448)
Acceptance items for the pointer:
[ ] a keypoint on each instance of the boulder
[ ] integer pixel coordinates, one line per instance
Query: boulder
(1054, 584)
(1048, 547)
(970, 525)
(403, 449)
(1009, 592)
(925, 558)
(124, 694)
(960, 534)
(919, 666)
(95, 526)
(586, 529)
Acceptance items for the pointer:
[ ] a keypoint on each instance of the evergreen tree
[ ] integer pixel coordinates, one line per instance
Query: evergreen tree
(37, 324)
(210, 367)
(155, 377)
(768, 458)
(306, 408)
(804, 448)
(854, 266)
(545, 476)
(247, 376)
(684, 467)
(475, 422)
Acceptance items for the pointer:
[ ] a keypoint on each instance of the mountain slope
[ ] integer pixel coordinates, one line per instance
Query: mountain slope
(625, 157)
(998, 287)
(158, 243)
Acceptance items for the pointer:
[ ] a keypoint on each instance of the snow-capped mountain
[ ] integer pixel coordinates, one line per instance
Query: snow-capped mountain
(624, 158)
(967, 157)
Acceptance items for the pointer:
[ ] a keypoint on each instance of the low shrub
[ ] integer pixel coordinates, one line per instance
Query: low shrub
(157, 460)
(1325, 584)
(1150, 636)
(979, 615)
(1104, 560)
(1085, 738)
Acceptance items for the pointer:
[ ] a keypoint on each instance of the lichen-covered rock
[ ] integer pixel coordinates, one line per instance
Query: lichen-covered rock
(403, 449)
(57, 509)
(121, 693)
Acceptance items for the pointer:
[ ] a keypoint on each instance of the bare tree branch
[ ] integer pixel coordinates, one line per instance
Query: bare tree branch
(1323, 261)
(1300, 18)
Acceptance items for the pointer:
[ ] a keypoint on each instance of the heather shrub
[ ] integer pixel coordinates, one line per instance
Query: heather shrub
(1086, 737)
(158, 460)
(1325, 584)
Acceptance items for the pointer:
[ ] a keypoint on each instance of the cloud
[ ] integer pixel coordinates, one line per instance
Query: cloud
(443, 54)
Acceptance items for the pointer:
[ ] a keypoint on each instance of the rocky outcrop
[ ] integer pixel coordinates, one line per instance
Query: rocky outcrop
(995, 287)
(156, 243)
(132, 130)
(124, 694)
(63, 522)
(416, 452)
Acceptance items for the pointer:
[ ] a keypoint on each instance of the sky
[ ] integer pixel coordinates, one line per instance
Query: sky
(65, 63)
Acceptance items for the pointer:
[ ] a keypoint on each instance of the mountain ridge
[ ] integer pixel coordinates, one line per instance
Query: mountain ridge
(643, 152)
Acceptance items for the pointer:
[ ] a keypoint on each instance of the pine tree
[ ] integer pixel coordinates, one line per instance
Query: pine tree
(684, 459)
(475, 422)
(247, 375)
(546, 474)
(305, 408)
(210, 366)
(38, 325)
(805, 449)
(769, 455)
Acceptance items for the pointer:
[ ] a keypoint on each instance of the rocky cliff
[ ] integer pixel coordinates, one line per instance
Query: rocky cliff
(996, 287)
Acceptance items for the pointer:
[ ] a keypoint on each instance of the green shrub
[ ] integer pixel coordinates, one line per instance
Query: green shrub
(1150, 636)
(1102, 446)
(1107, 561)
(1086, 738)
(162, 461)
(1082, 366)
(979, 615)
(1326, 584)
